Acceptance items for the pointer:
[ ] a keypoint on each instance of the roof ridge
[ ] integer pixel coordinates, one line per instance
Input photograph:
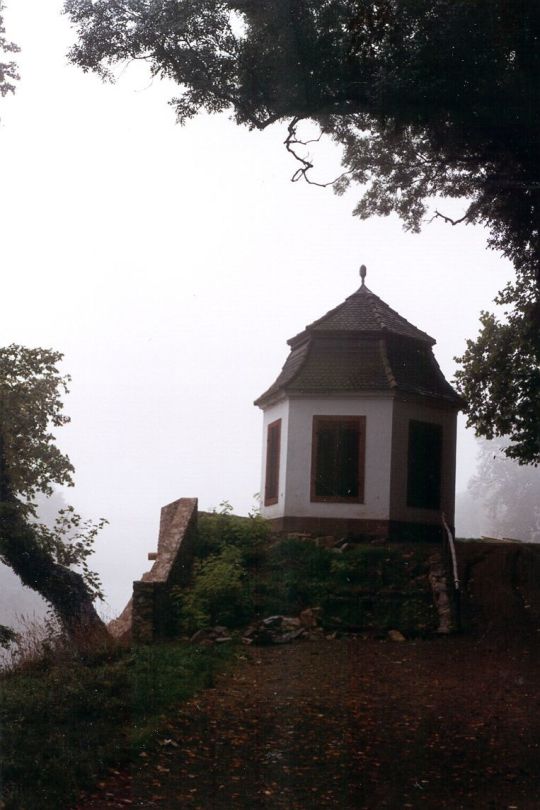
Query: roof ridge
(401, 317)
(377, 310)
(282, 379)
(307, 352)
(386, 364)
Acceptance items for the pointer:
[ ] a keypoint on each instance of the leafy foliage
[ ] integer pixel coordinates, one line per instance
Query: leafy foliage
(31, 389)
(500, 376)
(70, 543)
(221, 529)
(220, 595)
(8, 69)
(227, 545)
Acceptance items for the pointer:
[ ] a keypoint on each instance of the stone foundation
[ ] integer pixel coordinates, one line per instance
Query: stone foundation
(355, 528)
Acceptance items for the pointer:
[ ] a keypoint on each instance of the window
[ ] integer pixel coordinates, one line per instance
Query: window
(337, 462)
(273, 445)
(424, 465)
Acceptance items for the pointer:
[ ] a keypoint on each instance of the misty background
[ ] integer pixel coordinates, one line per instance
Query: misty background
(170, 265)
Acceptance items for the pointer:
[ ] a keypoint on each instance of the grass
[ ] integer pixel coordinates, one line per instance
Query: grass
(64, 720)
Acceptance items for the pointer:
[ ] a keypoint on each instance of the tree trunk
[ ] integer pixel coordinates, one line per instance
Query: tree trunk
(64, 589)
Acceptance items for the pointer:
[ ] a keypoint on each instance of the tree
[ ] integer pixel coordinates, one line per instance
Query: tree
(427, 98)
(8, 69)
(500, 376)
(30, 463)
(508, 493)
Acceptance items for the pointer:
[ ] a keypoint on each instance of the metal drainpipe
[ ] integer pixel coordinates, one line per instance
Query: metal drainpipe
(455, 574)
(452, 552)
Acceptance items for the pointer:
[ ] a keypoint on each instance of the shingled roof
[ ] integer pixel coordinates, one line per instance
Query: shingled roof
(363, 311)
(361, 345)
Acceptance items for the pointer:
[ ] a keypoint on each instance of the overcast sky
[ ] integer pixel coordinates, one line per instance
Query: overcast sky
(170, 265)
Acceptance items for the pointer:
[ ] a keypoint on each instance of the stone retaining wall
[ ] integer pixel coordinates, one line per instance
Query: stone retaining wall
(149, 614)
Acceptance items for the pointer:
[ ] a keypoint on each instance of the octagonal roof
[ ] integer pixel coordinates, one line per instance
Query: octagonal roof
(361, 345)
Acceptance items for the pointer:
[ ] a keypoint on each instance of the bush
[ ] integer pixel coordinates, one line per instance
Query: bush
(220, 594)
(219, 530)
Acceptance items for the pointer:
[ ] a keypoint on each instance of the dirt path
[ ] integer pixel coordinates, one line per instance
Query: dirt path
(451, 723)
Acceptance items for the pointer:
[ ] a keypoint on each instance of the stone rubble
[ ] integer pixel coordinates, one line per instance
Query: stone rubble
(439, 586)
(271, 630)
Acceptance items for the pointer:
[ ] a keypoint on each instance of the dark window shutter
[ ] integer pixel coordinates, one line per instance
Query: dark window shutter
(273, 447)
(337, 473)
(424, 465)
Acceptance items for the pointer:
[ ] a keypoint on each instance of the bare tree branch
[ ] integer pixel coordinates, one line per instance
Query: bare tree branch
(437, 215)
(302, 173)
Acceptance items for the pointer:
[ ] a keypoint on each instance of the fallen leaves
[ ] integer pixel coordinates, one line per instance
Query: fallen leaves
(345, 728)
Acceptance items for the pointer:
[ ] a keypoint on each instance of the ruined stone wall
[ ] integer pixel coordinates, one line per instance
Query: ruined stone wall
(149, 614)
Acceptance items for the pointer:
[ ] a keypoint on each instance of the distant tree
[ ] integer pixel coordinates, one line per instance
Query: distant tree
(8, 69)
(53, 562)
(470, 518)
(427, 98)
(508, 492)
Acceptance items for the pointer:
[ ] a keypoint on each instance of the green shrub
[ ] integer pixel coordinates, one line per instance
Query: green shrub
(220, 594)
(219, 530)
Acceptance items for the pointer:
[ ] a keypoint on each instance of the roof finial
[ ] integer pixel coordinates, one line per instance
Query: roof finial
(363, 272)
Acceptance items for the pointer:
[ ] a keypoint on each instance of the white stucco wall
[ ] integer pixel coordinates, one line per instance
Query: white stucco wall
(278, 411)
(378, 413)
(439, 414)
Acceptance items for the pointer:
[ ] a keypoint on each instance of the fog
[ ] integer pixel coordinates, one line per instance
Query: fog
(170, 264)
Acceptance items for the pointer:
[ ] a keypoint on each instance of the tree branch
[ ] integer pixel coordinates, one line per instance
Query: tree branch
(449, 220)
(302, 172)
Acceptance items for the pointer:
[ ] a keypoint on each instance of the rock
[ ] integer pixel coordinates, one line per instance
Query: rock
(291, 623)
(200, 635)
(168, 743)
(262, 637)
(272, 622)
(249, 631)
(395, 635)
(286, 638)
(328, 541)
(310, 617)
